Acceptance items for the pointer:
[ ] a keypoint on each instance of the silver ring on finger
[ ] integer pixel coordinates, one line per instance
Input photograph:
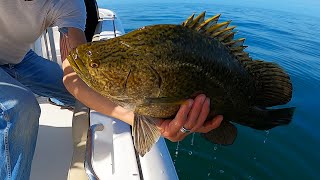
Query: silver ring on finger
(185, 130)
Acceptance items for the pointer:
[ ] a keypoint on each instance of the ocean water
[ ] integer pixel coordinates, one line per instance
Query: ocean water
(289, 39)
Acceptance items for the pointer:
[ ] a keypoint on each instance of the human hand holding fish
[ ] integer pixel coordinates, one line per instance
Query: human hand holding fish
(192, 116)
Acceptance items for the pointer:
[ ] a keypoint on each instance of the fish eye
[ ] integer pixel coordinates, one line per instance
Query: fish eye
(94, 64)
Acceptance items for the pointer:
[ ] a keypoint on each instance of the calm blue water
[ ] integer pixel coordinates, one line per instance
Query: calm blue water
(291, 40)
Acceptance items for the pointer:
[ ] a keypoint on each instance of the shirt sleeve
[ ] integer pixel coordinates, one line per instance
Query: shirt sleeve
(69, 13)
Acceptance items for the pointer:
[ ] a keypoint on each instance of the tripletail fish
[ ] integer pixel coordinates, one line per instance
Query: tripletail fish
(154, 69)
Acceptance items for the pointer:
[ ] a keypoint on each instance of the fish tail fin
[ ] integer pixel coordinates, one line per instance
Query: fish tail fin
(278, 117)
(273, 85)
(266, 119)
(145, 133)
(263, 119)
(225, 134)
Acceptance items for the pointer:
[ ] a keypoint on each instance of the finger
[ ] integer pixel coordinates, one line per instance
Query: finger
(162, 125)
(210, 125)
(181, 117)
(195, 112)
(167, 133)
(203, 115)
(192, 116)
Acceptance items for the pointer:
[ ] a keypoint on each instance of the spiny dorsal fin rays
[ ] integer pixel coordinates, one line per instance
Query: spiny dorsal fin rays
(241, 54)
(218, 27)
(235, 43)
(219, 31)
(226, 37)
(223, 31)
(187, 22)
(208, 23)
(238, 48)
(197, 21)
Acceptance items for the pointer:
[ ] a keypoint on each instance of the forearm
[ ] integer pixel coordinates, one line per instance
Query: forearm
(79, 89)
(93, 99)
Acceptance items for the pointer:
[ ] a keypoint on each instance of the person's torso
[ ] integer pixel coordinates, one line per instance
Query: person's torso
(21, 23)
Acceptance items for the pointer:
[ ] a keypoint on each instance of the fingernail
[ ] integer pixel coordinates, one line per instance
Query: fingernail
(208, 99)
(190, 103)
(202, 98)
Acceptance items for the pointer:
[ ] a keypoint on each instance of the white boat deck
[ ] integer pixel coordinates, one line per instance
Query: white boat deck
(54, 145)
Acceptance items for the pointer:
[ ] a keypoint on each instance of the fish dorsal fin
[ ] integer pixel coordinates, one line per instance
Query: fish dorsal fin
(273, 85)
(219, 31)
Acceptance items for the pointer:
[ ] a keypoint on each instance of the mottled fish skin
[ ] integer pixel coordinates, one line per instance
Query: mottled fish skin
(166, 61)
(154, 69)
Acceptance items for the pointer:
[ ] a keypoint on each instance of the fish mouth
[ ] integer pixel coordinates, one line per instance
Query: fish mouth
(79, 68)
(76, 62)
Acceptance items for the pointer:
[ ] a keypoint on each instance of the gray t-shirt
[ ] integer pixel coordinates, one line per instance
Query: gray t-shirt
(22, 22)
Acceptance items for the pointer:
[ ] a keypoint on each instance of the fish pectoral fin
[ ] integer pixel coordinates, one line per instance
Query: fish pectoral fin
(225, 134)
(164, 100)
(145, 133)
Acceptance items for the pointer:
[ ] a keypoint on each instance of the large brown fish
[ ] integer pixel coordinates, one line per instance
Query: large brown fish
(154, 69)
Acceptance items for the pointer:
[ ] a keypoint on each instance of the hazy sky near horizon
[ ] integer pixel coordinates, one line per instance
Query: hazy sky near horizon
(308, 7)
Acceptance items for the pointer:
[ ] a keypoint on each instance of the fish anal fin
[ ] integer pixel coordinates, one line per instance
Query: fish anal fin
(145, 133)
(225, 134)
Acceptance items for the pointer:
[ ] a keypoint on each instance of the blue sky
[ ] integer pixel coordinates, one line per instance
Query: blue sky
(308, 7)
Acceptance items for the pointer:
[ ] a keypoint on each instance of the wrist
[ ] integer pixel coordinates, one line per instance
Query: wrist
(123, 114)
